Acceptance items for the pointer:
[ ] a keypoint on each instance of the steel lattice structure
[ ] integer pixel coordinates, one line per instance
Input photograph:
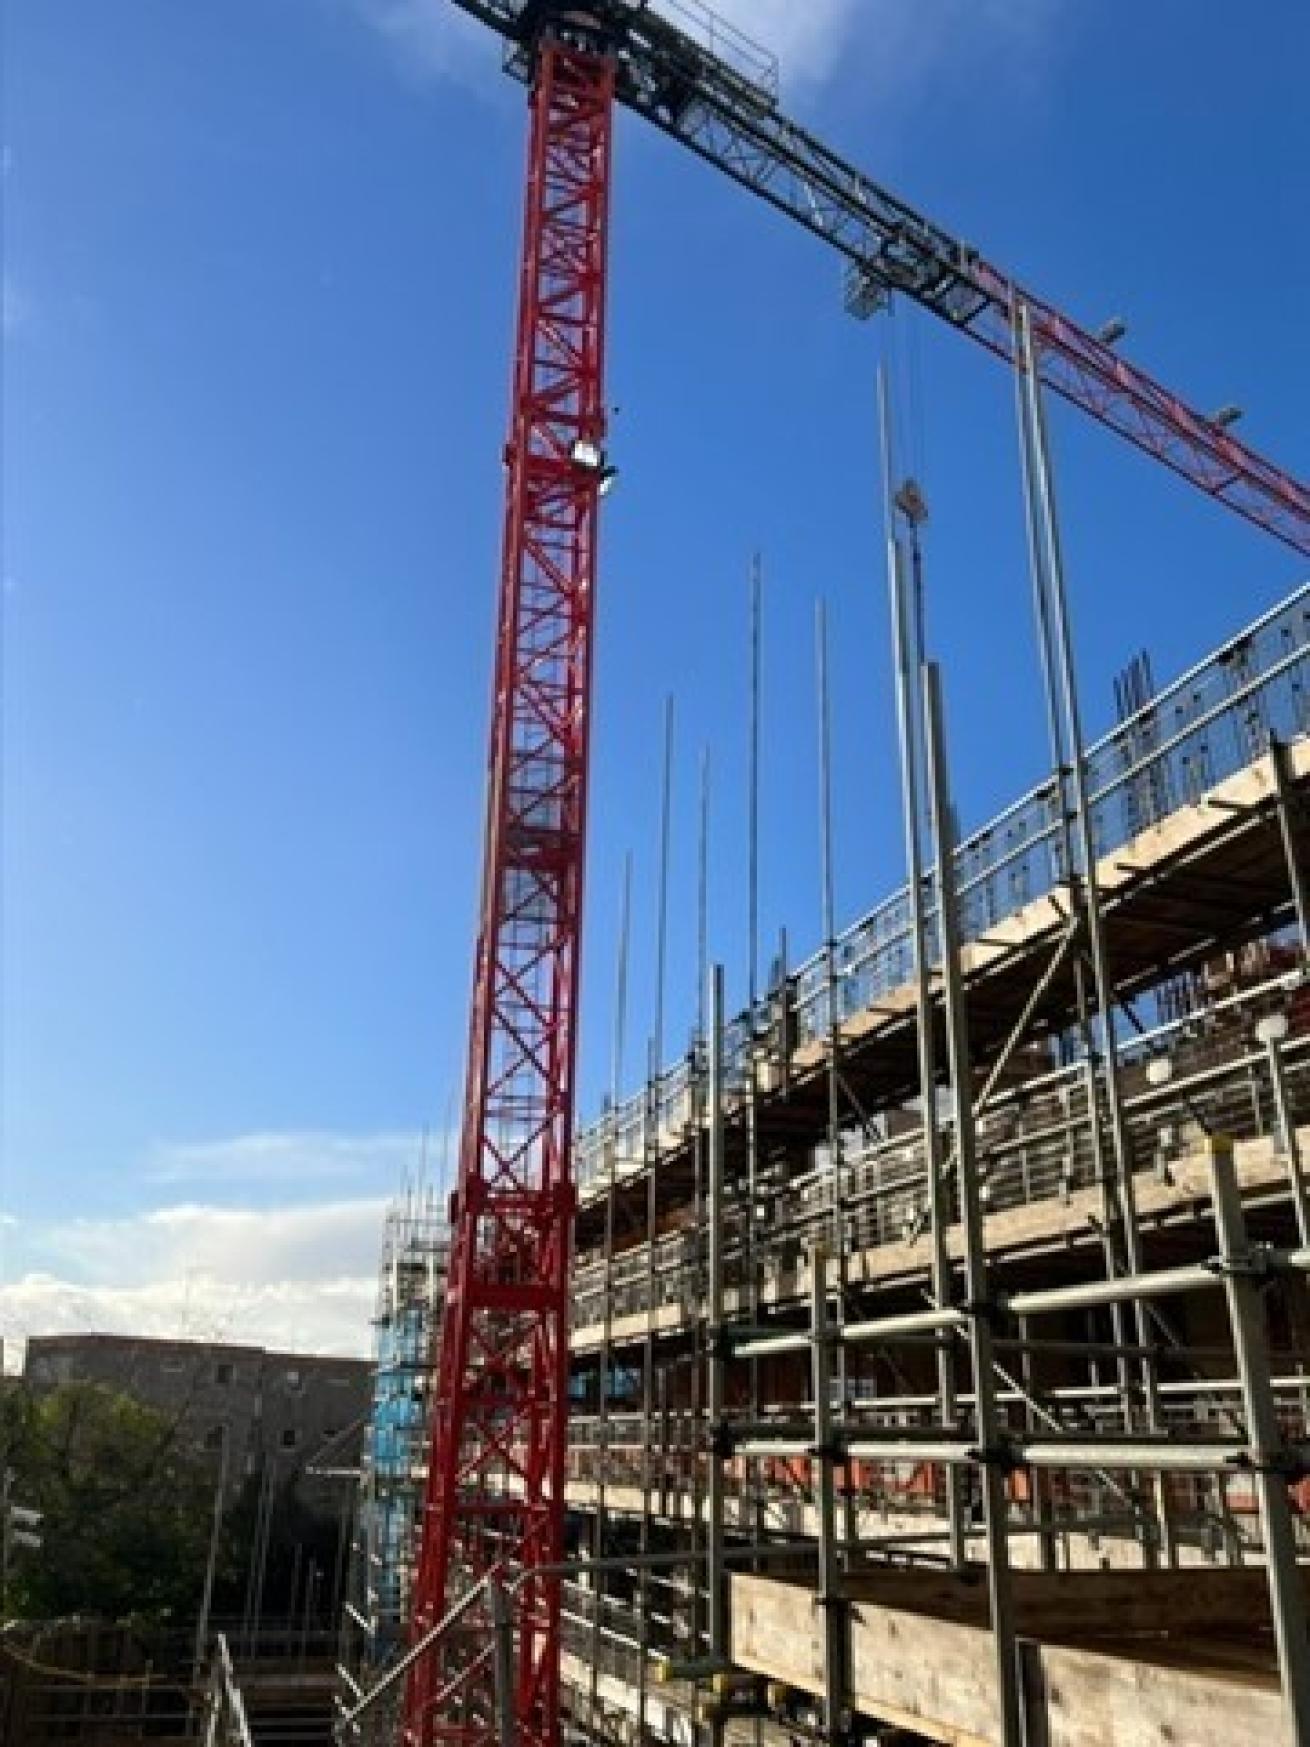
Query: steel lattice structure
(719, 96)
(494, 1497)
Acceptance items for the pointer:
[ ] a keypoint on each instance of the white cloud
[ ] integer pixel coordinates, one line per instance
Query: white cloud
(434, 37)
(262, 1246)
(331, 1316)
(270, 1237)
(806, 39)
(297, 1277)
(904, 44)
(430, 37)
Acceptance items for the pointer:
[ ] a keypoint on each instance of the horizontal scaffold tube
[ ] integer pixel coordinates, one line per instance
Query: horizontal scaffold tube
(1090, 1294)
(1148, 1454)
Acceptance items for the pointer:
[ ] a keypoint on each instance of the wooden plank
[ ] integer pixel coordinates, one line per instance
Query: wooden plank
(937, 1675)
(1059, 1605)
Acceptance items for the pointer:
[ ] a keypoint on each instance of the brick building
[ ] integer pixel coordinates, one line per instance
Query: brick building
(278, 1410)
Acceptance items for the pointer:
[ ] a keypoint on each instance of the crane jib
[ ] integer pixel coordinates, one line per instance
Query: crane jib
(727, 112)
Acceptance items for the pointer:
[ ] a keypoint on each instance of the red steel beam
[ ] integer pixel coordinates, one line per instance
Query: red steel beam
(1091, 374)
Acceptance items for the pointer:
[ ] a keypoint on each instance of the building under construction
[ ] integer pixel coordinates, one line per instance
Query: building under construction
(924, 1356)
(788, 1501)
(853, 1361)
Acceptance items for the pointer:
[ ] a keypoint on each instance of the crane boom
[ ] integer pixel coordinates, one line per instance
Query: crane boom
(720, 98)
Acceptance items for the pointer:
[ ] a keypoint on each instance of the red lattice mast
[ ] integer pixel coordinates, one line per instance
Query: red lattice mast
(495, 1490)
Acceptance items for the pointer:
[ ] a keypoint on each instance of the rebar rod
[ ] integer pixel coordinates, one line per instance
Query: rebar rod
(836, 1151)
(827, 908)
(662, 890)
(699, 1146)
(753, 785)
(1062, 757)
(703, 896)
(754, 773)
(700, 1332)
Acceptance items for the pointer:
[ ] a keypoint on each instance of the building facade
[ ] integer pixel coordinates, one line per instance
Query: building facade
(256, 1410)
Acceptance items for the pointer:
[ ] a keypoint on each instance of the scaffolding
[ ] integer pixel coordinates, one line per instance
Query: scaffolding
(956, 1338)
(956, 1281)
(973, 1251)
(1006, 1337)
(383, 1547)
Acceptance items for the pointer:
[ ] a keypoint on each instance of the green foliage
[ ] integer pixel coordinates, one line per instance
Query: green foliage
(127, 1508)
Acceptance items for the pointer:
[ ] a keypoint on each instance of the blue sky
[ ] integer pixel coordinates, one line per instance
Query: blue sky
(259, 269)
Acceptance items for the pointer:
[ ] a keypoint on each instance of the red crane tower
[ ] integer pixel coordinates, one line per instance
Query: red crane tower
(496, 1471)
(494, 1502)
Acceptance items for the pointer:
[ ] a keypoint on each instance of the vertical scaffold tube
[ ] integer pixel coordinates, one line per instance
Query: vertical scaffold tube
(987, 1420)
(1271, 1461)
(717, 1537)
(1049, 577)
(906, 616)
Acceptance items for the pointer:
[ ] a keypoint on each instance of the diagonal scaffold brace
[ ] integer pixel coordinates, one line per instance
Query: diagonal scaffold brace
(494, 1501)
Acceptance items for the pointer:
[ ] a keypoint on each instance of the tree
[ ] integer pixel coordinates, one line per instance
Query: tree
(126, 1507)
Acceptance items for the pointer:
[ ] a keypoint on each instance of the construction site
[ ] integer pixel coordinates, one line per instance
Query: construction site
(922, 1355)
(897, 1416)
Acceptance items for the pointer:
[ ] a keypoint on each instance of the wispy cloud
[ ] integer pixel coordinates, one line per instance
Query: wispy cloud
(902, 45)
(807, 40)
(331, 1316)
(428, 38)
(911, 46)
(298, 1277)
(14, 305)
(435, 38)
(270, 1236)
(305, 1158)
